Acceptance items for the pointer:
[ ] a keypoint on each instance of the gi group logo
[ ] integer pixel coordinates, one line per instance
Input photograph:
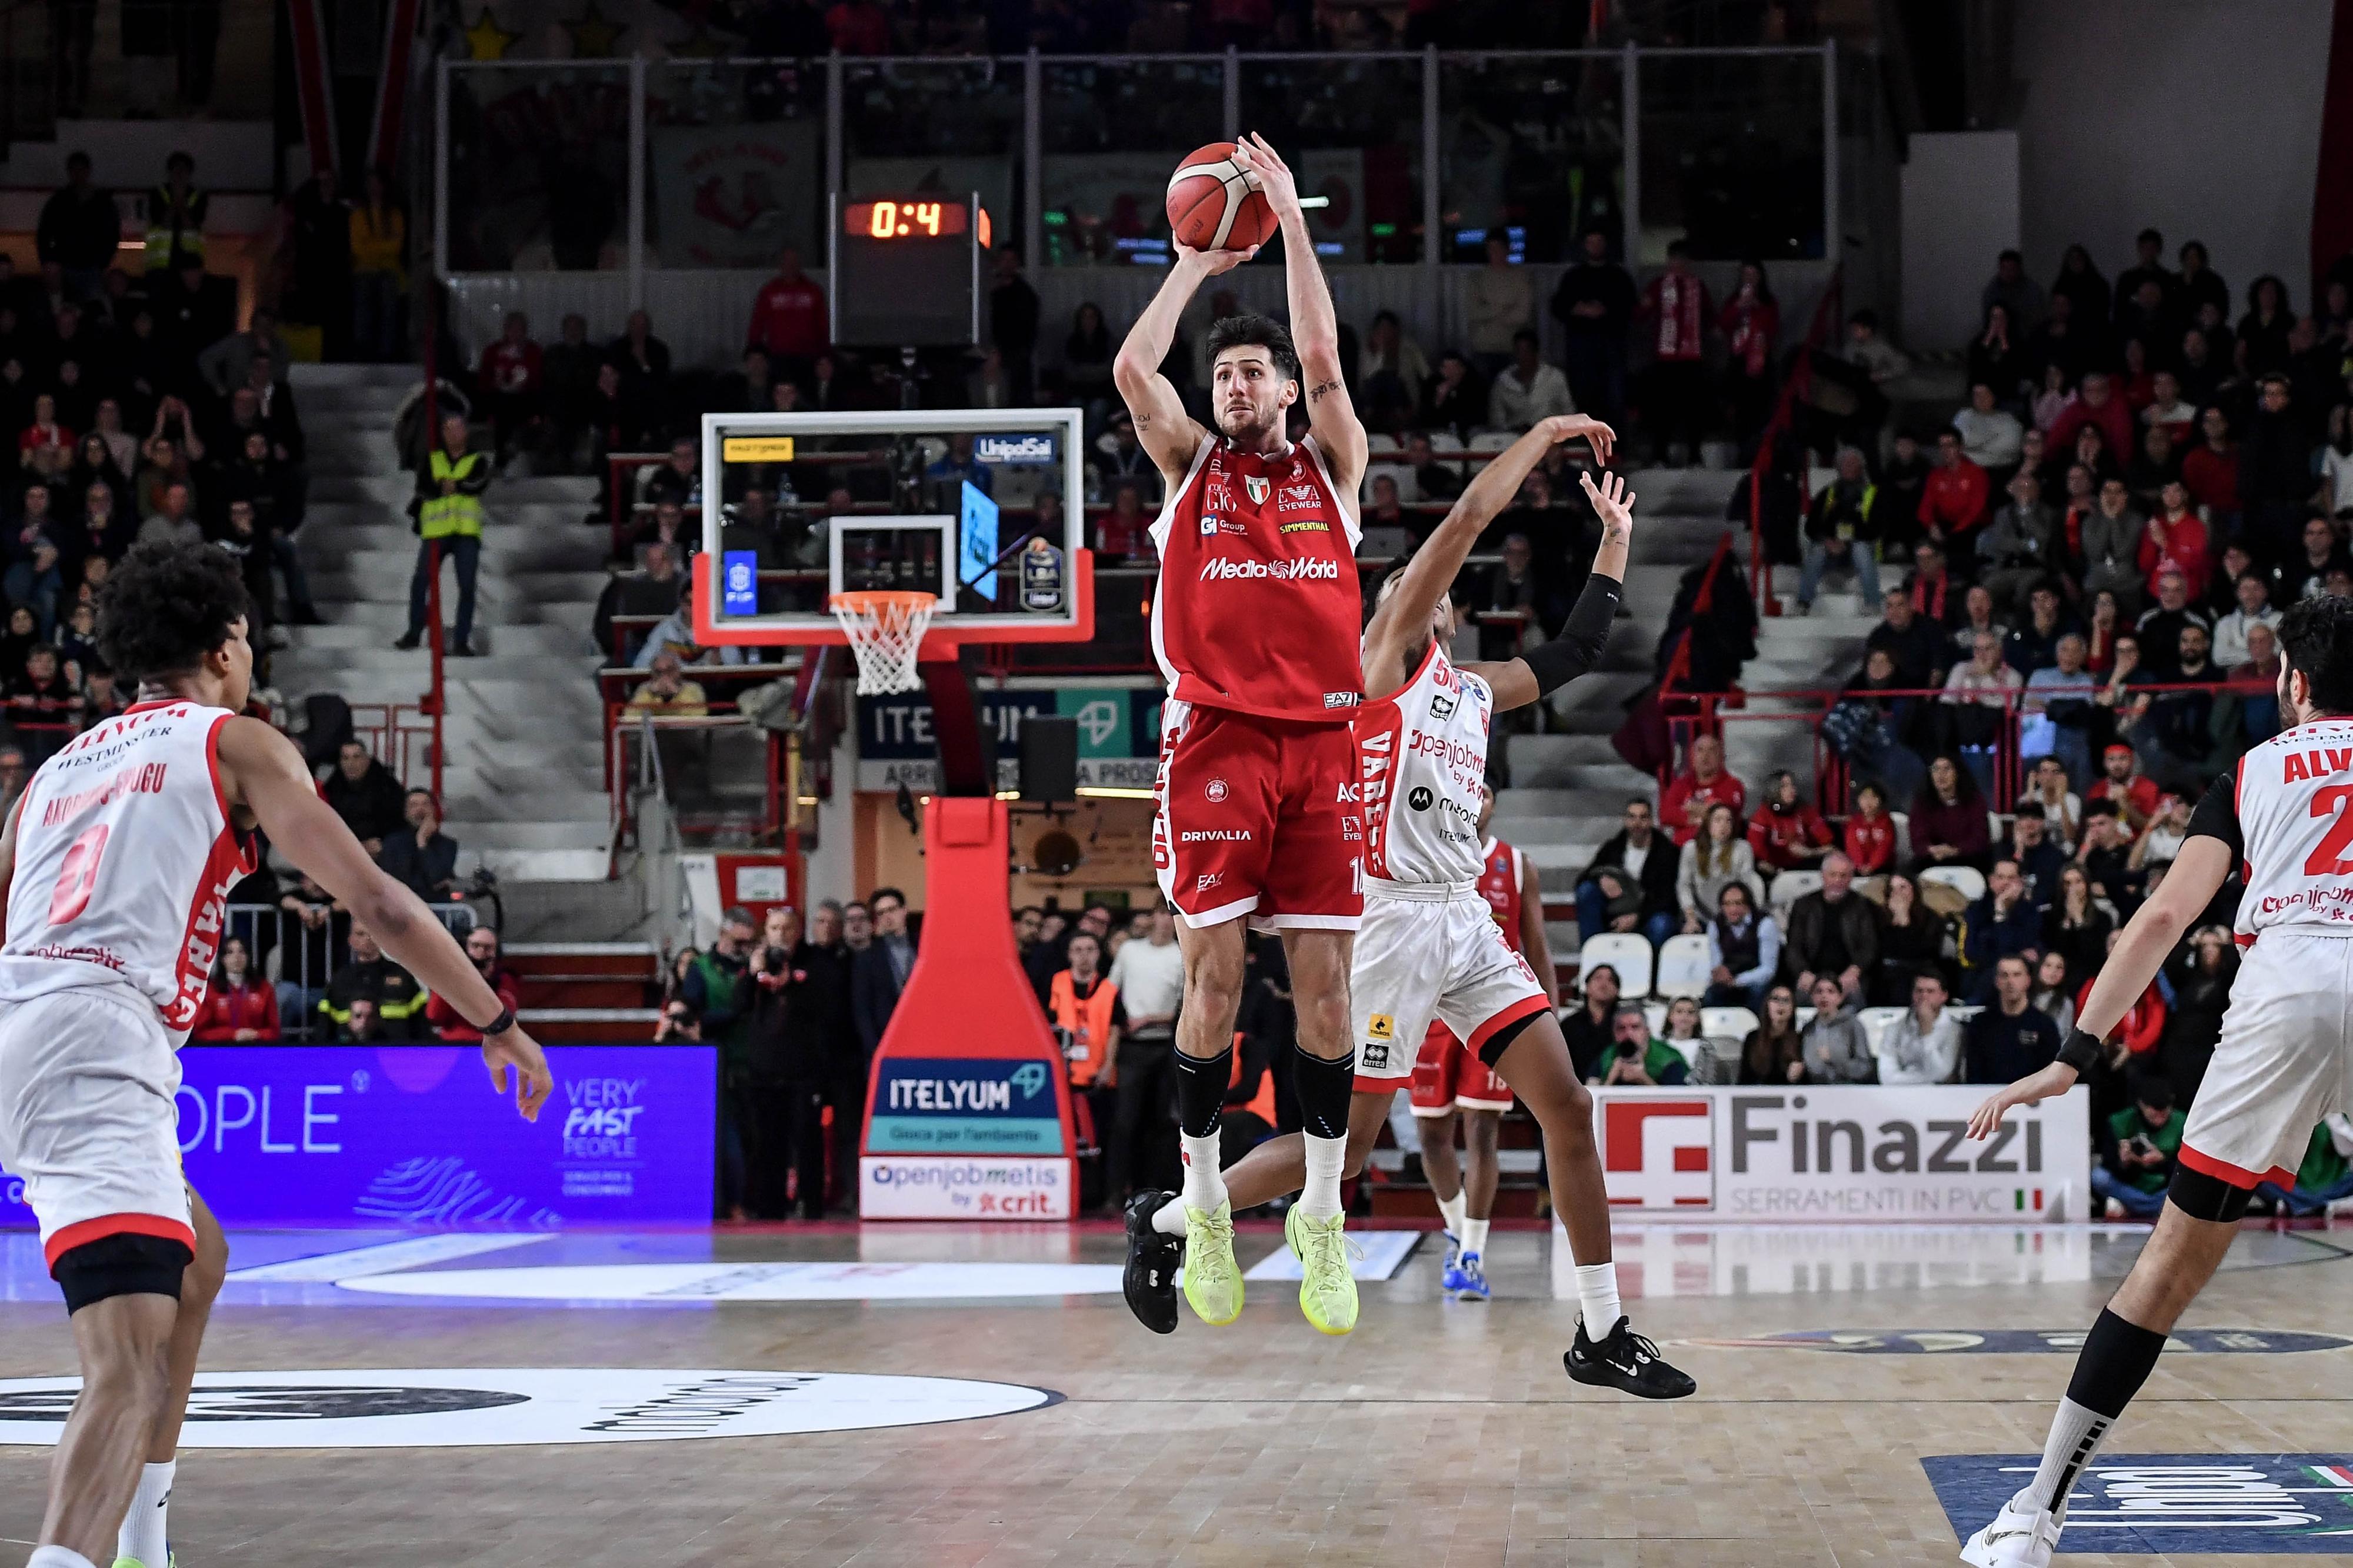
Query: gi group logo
(496, 1407)
(1655, 1153)
(2152, 1505)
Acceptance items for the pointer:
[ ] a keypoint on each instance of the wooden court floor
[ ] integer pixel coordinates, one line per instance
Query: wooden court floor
(1439, 1434)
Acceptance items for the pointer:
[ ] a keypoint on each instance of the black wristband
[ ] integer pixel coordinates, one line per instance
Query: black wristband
(500, 1025)
(2081, 1050)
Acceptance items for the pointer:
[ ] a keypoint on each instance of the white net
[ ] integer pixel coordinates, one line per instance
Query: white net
(886, 634)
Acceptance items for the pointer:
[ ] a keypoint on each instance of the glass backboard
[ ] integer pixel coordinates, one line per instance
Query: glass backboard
(981, 508)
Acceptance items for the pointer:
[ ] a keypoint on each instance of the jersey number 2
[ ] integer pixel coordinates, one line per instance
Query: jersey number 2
(78, 877)
(2327, 859)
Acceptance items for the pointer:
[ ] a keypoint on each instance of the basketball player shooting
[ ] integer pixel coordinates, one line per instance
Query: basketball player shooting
(1254, 623)
(115, 867)
(1429, 945)
(2283, 818)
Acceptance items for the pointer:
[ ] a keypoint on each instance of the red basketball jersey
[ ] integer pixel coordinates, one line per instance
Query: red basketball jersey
(1499, 884)
(1257, 608)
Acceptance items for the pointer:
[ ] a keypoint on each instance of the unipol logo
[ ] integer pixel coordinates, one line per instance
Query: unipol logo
(1655, 1153)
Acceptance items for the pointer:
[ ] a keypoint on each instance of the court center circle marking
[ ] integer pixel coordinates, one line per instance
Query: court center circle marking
(503, 1407)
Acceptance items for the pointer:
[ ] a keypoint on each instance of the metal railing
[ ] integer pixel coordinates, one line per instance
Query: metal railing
(300, 952)
(594, 165)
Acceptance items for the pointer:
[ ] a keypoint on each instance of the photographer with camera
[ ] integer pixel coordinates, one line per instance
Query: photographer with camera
(1635, 1058)
(2139, 1148)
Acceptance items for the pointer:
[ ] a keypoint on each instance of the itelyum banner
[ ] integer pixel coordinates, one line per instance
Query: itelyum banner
(2149, 1505)
(963, 1105)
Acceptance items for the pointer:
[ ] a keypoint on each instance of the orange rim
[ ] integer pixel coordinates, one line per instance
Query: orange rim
(872, 602)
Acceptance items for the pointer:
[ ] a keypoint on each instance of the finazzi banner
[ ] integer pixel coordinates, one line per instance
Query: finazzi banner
(1863, 1152)
(414, 1134)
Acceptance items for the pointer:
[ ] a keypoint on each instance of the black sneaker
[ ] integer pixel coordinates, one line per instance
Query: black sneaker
(1150, 1282)
(407, 641)
(1626, 1362)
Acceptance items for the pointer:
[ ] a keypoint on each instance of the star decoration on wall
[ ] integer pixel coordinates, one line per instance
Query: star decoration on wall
(486, 40)
(594, 35)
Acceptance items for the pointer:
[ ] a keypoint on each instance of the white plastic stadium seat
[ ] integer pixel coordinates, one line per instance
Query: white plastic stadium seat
(1627, 951)
(1445, 441)
(1408, 489)
(1493, 440)
(1728, 1023)
(1788, 888)
(1382, 441)
(1877, 1021)
(1655, 1015)
(1682, 966)
(1903, 820)
(1965, 881)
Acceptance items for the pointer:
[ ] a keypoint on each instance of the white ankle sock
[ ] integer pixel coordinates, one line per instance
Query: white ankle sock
(1205, 1184)
(57, 1557)
(1474, 1235)
(1596, 1299)
(2075, 1435)
(1326, 1157)
(1451, 1209)
(141, 1537)
(1168, 1219)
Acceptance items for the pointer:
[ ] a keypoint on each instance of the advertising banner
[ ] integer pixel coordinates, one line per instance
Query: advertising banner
(1004, 1188)
(1119, 735)
(337, 1135)
(1863, 1152)
(963, 1105)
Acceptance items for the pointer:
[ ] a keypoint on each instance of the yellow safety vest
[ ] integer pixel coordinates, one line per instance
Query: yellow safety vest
(173, 236)
(441, 515)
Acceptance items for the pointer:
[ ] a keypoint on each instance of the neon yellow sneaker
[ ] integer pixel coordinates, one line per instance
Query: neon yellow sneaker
(172, 1562)
(1327, 1290)
(1213, 1280)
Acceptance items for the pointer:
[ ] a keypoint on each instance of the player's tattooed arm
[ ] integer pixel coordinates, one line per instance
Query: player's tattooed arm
(1320, 388)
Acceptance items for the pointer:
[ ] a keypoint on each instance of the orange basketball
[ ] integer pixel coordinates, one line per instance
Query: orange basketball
(1214, 203)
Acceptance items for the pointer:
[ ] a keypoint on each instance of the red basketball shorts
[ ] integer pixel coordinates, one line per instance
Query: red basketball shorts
(1258, 818)
(1447, 1076)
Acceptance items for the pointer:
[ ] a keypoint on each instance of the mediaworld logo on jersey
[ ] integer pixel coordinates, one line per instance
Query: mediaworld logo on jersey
(1225, 569)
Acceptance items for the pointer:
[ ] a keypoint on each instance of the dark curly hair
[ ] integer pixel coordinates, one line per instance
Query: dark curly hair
(1252, 330)
(165, 606)
(2315, 638)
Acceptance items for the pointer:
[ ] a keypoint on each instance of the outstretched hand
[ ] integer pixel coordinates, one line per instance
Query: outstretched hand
(2056, 1078)
(1613, 504)
(1569, 426)
(1257, 158)
(1210, 263)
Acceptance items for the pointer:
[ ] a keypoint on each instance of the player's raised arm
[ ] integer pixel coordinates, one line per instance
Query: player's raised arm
(268, 776)
(1314, 330)
(1162, 425)
(2154, 931)
(1396, 624)
(1549, 666)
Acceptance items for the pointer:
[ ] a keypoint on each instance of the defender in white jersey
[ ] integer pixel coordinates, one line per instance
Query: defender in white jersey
(116, 865)
(1428, 946)
(2282, 821)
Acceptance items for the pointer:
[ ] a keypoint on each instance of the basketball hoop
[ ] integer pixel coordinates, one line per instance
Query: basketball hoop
(885, 629)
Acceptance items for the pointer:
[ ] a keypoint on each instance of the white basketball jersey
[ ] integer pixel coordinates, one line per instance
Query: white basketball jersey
(1421, 763)
(125, 855)
(2292, 805)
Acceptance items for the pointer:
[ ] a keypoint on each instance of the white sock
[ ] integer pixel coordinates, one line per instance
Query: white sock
(1168, 1219)
(2075, 1434)
(1474, 1235)
(1326, 1157)
(1596, 1299)
(1205, 1184)
(57, 1557)
(141, 1537)
(1450, 1210)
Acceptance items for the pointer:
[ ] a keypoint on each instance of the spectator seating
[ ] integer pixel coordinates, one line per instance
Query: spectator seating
(1965, 881)
(1682, 966)
(1728, 1023)
(1628, 952)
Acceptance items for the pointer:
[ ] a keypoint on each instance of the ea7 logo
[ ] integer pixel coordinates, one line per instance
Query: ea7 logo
(1210, 880)
(1258, 486)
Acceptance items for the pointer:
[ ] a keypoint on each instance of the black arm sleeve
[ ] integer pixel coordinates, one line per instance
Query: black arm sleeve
(1578, 647)
(2216, 815)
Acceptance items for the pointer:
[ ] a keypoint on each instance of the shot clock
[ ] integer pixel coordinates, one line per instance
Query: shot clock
(906, 272)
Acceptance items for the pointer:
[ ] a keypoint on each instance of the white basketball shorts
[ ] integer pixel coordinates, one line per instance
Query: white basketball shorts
(87, 1120)
(2284, 1061)
(1420, 956)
